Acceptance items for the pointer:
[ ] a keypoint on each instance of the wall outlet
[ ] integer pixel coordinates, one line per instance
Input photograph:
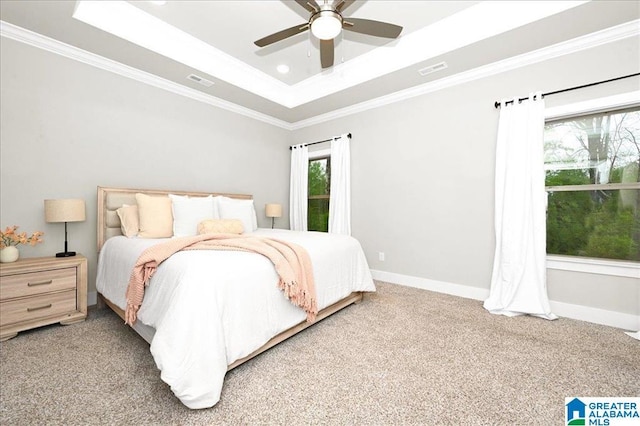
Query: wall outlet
(381, 256)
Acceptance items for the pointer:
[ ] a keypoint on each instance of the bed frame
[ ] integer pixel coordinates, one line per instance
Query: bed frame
(111, 199)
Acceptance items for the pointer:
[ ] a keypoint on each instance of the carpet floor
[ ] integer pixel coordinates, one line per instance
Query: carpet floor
(402, 356)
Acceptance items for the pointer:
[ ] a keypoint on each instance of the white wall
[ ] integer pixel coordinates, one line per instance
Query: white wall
(423, 176)
(68, 127)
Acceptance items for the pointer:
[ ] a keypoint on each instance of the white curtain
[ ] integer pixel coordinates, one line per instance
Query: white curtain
(340, 202)
(298, 187)
(518, 282)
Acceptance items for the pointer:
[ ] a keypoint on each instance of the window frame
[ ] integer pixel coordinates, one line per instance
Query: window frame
(319, 153)
(611, 267)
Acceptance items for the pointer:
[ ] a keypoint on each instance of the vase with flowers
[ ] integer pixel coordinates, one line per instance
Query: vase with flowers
(10, 239)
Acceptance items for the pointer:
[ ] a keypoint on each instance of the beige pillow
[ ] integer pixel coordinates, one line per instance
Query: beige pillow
(156, 218)
(223, 226)
(129, 224)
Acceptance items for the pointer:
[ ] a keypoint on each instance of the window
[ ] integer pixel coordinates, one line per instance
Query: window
(319, 186)
(592, 165)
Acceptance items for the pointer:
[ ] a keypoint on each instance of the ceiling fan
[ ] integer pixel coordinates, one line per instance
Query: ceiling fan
(326, 22)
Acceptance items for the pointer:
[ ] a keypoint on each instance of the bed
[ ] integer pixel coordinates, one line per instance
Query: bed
(206, 312)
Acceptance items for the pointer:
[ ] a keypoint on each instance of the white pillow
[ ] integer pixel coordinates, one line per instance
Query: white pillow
(188, 212)
(216, 204)
(230, 208)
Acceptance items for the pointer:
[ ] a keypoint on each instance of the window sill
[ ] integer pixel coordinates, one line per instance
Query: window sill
(589, 265)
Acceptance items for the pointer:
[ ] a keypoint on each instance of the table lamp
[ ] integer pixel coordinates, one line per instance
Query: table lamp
(66, 210)
(273, 211)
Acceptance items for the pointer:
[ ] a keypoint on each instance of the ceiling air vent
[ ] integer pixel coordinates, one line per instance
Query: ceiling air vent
(200, 80)
(433, 68)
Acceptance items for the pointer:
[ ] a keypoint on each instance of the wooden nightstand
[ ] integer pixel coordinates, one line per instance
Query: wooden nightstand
(41, 291)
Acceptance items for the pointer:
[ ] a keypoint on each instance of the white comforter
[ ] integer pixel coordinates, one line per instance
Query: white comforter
(210, 308)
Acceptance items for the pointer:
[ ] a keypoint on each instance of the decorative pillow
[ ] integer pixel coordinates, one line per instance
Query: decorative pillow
(224, 226)
(188, 212)
(156, 218)
(244, 210)
(129, 224)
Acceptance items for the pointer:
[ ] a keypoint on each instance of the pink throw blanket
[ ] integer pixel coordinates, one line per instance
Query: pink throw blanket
(291, 261)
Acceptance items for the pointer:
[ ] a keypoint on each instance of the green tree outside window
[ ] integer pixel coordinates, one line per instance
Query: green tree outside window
(319, 194)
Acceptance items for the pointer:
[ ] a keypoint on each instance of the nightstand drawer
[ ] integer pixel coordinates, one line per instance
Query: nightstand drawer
(33, 283)
(36, 307)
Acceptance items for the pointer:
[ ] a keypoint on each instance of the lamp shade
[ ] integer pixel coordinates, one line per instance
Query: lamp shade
(273, 210)
(66, 210)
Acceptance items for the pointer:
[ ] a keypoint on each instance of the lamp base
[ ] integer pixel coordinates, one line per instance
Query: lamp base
(66, 254)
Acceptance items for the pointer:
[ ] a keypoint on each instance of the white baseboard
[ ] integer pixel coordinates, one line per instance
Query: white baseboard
(465, 291)
(561, 309)
(596, 315)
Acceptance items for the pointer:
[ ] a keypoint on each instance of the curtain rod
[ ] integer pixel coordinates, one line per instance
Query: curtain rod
(313, 143)
(497, 103)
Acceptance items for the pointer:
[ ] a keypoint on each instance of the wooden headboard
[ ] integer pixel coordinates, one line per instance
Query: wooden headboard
(111, 199)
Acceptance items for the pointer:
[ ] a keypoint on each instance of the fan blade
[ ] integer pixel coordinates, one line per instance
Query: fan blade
(308, 4)
(374, 28)
(343, 4)
(281, 35)
(326, 53)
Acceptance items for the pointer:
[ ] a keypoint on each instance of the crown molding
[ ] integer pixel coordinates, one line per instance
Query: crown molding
(609, 35)
(589, 41)
(48, 44)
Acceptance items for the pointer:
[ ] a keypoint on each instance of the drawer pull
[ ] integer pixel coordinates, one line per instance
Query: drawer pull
(30, 284)
(39, 307)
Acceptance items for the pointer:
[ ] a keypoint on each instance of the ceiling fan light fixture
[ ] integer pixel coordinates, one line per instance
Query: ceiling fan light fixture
(326, 24)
